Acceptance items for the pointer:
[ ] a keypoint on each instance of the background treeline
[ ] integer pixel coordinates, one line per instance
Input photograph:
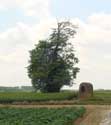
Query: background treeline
(16, 89)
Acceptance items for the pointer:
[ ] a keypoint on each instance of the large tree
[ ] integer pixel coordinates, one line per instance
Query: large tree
(52, 61)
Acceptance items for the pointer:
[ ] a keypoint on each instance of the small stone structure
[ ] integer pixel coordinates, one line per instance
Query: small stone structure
(85, 90)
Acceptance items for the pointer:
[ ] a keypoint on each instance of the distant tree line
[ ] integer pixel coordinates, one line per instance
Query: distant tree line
(16, 89)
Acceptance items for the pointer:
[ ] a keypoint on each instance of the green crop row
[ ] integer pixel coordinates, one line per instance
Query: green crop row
(41, 116)
(6, 97)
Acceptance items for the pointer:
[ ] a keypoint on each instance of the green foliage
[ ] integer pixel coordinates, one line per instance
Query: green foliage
(42, 116)
(7, 97)
(100, 97)
(52, 61)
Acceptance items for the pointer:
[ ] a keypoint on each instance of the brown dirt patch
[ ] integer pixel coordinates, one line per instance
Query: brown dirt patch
(94, 115)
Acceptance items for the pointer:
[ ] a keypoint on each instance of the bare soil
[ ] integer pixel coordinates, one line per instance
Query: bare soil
(96, 115)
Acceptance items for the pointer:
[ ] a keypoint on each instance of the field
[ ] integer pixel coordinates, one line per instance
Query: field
(40, 116)
(99, 97)
(9, 97)
(56, 109)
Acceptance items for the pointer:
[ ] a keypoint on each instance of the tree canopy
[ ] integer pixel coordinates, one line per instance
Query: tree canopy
(52, 61)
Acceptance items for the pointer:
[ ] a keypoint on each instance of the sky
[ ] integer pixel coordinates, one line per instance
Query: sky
(24, 22)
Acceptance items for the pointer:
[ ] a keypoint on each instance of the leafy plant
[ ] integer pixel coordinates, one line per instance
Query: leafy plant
(42, 116)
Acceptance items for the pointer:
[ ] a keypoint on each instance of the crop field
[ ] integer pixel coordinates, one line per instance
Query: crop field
(39, 116)
(9, 97)
(99, 97)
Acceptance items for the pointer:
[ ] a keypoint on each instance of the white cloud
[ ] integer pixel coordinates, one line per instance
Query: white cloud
(5, 4)
(94, 50)
(18, 40)
(14, 50)
(37, 8)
